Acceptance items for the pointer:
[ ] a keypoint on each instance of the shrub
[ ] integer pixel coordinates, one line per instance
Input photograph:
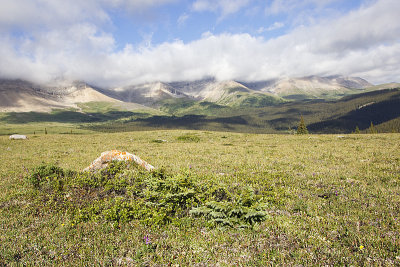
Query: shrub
(46, 173)
(188, 138)
(229, 214)
(121, 193)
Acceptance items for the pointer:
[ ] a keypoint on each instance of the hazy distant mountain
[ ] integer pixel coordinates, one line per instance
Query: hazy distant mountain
(232, 93)
(23, 96)
(229, 93)
(235, 93)
(149, 94)
(312, 86)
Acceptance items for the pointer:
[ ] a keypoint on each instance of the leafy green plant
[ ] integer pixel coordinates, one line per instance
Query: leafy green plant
(46, 173)
(188, 138)
(121, 193)
(246, 208)
(120, 211)
(229, 214)
(159, 141)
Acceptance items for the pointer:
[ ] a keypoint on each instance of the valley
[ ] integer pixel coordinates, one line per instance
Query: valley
(258, 107)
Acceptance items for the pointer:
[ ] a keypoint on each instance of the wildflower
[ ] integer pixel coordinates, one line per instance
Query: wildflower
(146, 239)
(361, 247)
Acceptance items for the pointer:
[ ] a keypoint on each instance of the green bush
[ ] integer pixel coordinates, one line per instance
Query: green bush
(239, 214)
(46, 173)
(188, 138)
(121, 193)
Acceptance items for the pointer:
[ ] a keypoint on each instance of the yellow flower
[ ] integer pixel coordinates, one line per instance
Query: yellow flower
(361, 247)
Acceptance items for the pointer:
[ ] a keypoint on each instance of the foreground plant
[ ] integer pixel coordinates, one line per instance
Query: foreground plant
(122, 193)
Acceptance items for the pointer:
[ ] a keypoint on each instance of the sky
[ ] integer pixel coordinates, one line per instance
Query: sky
(112, 43)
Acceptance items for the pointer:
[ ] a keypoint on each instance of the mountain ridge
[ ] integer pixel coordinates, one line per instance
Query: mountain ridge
(312, 86)
(24, 96)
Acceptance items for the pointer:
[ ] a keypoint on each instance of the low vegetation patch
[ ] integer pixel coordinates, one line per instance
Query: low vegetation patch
(122, 193)
(188, 138)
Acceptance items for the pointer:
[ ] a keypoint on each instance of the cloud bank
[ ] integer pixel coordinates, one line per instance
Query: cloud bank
(47, 40)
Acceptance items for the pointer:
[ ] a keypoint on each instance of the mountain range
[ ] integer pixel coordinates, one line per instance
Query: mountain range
(333, 104)
(24, 96)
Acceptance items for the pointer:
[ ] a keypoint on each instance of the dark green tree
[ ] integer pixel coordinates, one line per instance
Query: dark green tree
(372, 129)
(302, 128)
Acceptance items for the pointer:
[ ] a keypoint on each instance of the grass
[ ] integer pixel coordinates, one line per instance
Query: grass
(36, 129)
(339, 200)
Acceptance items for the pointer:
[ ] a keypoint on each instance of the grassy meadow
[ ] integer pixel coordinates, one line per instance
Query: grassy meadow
(320, 200)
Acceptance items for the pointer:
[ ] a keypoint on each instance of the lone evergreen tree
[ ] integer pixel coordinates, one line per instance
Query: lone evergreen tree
(357, 130)
(302, 128)
(372, 129)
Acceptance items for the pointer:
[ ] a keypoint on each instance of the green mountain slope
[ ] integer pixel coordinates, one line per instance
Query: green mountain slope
(217, 98)
(380, 107)
(232, 108)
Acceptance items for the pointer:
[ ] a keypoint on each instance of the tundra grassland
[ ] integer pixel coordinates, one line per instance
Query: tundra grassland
(335, 201)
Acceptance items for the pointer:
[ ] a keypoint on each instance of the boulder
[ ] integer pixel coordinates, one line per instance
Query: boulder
(18, 137)
(108, 156)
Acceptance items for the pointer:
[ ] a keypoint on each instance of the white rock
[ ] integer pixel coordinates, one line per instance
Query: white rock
(18, 137)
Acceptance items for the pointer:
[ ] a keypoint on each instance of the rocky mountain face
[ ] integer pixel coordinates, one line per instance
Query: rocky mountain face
(17, 95)
(149, 94)
(23, 96)
(225, 92)
(229, 93)
(312, 86)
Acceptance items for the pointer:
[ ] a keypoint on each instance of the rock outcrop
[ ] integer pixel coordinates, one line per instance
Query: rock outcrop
(108, 156)
(18, 137)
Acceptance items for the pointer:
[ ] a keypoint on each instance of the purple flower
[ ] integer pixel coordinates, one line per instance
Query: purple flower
(146, 240)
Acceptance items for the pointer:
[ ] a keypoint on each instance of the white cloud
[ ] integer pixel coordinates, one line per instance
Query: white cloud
(276, 25)
(52, 14)
(225, 7)
(49, 13)
(287, 6)
(135, 5)
(363, 43)
(182, 19)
